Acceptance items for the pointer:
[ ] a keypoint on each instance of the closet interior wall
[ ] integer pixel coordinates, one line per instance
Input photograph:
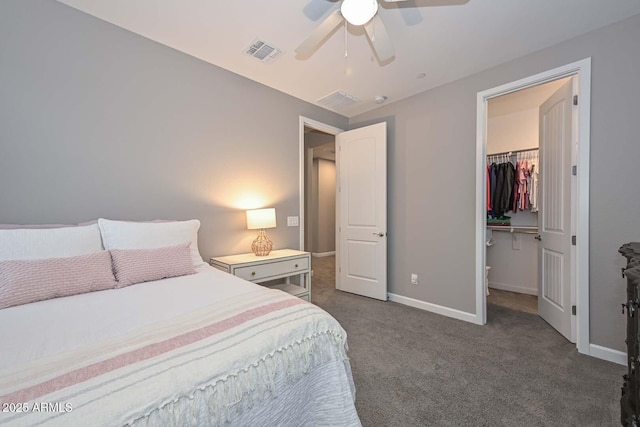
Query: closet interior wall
(513, 256)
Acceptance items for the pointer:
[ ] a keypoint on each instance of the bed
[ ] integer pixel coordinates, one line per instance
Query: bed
(199, 349)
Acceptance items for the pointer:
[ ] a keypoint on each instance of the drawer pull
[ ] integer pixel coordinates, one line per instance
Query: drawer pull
(296, 265)
(253, 273)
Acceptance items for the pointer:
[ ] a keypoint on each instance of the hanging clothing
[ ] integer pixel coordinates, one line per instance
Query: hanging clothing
(534, 193)
(512, 186)
(496, 201)
(502, 196)
(493, 177)
(507, 194)
(521, 190)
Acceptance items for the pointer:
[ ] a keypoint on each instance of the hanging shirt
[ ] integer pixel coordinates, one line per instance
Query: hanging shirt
(497, 201)
(534, 193)
(516, 187)
(521, 191)
(510, 175)
(493, 178)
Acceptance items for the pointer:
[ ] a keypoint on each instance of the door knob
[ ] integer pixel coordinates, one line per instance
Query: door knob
(379, 234)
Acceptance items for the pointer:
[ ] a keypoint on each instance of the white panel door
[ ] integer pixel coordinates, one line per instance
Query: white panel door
(554, 300)
(362, 213)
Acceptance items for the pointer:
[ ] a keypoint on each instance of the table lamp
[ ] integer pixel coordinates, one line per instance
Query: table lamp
(259, 219)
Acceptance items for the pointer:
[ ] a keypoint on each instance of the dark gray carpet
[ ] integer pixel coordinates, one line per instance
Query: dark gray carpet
(415, 368)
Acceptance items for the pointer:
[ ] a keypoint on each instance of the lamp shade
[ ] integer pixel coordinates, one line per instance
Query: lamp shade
(261, 218)
(358, 12)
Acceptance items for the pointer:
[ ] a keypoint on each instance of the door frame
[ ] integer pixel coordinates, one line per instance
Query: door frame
(313, 124)
(581, 70)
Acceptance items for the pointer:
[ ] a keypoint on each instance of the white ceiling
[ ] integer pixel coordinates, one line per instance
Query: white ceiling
(445, 43)
(524, 99)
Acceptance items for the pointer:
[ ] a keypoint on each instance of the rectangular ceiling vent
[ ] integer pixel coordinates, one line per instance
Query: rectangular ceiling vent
(337, 100)
(262, 51)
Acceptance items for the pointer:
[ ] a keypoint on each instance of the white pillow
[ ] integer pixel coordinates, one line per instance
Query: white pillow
(40, 243)
(151, 235)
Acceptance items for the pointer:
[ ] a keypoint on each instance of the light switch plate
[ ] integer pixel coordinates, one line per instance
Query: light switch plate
(292, 221)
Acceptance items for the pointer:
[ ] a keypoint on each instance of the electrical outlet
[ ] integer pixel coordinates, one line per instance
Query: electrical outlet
(414, 279)
(292, 221)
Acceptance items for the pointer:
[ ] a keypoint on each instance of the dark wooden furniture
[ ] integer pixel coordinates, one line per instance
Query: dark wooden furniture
(630, 400)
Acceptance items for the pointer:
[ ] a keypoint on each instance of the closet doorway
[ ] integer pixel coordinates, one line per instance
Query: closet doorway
(513, 205)
(543, 254)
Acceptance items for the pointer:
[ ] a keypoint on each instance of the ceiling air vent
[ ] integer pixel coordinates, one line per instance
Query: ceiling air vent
(337, 100)
(263, 51)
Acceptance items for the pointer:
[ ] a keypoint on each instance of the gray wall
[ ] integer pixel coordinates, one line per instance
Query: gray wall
(324, 239)
(432, 140)
(96, 121)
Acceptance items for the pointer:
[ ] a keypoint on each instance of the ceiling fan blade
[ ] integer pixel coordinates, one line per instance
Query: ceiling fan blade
(321, 32)
(410, 13)
(316, 9)
(380, 39)
(409, 8)
(432, 2)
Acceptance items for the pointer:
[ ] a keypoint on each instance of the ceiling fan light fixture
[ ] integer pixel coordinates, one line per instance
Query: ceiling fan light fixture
(358, 12)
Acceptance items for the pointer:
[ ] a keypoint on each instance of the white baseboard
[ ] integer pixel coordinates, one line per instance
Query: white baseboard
(595, 350)
(609, 354)
(435, 308)
(321, 254)
(513, 288)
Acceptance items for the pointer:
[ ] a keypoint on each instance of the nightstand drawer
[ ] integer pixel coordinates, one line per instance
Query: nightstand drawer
(272, 269)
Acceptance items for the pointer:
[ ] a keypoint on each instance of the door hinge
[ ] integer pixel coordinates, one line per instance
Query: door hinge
(575, 99)
(573, 240)
(573, 310)
(574, 170)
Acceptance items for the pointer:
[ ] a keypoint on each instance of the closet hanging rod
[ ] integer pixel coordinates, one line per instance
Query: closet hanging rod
(513, 152)
(514, 229)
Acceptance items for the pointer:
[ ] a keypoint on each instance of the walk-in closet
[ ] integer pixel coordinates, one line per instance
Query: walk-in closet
(514, 175)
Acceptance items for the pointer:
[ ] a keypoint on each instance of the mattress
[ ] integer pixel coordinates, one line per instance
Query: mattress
(203, 349)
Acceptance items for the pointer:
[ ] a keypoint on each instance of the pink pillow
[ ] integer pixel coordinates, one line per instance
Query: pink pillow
(31, 280)
(143, 265)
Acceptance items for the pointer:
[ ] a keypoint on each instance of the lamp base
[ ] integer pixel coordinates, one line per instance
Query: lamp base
(262, 245)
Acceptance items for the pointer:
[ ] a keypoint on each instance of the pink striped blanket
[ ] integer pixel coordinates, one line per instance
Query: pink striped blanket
(202, 367)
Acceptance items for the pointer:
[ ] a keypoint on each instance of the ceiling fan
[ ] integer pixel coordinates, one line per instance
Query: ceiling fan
(360, 13)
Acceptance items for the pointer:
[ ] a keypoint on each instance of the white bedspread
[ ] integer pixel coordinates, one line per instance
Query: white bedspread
(205, 349)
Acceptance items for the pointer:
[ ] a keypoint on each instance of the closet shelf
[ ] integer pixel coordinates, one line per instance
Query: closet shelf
(523, 229)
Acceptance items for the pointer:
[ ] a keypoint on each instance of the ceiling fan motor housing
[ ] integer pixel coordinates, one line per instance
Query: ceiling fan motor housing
(359, 12)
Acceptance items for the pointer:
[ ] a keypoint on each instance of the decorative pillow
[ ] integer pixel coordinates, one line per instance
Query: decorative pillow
(31, 280)
(43, 243)
(150, 235)
(143, 265)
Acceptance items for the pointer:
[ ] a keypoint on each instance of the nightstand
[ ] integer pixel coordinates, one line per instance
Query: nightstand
(279, 264)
